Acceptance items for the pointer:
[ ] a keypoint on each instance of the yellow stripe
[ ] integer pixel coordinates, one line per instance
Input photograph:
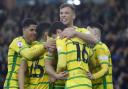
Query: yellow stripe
(76, 77)
(79, 86)
(22, 49)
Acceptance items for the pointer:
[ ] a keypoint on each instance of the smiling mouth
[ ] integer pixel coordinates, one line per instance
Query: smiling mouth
(63, 20)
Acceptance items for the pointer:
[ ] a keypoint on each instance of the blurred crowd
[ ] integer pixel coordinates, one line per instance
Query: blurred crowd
(112, 15)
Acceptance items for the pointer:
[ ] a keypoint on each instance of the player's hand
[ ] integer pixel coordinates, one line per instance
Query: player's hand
(68, 33)
(62, 75)
(89, 75)
(51, 43)
(52, 79)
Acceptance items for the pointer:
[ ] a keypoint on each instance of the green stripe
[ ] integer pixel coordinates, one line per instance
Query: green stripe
(13, 72)
(67, 52)
(73, 69)
(110, 74)
(104, 83)
(98, 49)
(13, 68)
(79, 86)
(62, 53)
(13, 55)
(12, 64)
(12, 79)
(110, 65)
(72, 60)
(41, 57)
(100, 66)
(109, 56)
(77, 77)
(17, 72)
(14, 87)
(59, 86)
(30, 67)
(104, 63)
(71, 51)
(38, 83)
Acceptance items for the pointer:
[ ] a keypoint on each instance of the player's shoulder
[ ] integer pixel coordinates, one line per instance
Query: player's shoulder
(37, 42)
(101, 45)
(82, 29)
(18, 40)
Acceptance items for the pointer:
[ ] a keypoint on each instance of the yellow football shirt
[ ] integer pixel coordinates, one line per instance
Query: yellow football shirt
(101, 55)
(19, 49)
(14, 59)
(37, 78)
(77, 54)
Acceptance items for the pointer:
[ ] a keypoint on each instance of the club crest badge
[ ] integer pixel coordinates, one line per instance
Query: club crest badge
(19, 44)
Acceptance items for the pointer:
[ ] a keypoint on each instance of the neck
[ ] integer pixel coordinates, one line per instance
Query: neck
(98, 38)
(25, 38)
(70, 25)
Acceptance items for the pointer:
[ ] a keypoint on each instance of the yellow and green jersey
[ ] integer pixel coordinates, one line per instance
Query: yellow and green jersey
(37, 78)
(77, 54)
(14, 60)
(19, 49)
(101, 55)
(73, 56)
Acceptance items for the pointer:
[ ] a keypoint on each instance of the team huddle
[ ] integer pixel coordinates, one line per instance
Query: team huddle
(59, 56)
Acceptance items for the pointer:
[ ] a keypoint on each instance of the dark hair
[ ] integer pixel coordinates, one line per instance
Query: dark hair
(68, 5)
(55, 26)
(28, 21)
(42, 28)
(97, 25)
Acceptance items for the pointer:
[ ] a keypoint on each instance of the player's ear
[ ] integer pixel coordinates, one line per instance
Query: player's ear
(23, 30)
(74, 16)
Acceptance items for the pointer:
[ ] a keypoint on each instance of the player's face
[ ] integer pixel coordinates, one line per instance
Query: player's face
(93, 30)
(30, 33)
(58, 31)
(67, 16)
(45, 35)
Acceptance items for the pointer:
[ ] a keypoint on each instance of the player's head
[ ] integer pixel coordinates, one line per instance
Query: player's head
(42, 30)
(96, 29)
(56, 28)
(67, 14)
(29, 29)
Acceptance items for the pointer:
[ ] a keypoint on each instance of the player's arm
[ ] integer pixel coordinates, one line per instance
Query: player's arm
(33, 52)
(102, 72)
(49, 59)
(86, 36)
(99, 74)
(37, 50)
(29, 53)
(103, 58)
(21, 74)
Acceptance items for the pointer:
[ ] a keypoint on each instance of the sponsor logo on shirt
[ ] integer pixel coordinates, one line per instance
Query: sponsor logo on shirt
(104, 57)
